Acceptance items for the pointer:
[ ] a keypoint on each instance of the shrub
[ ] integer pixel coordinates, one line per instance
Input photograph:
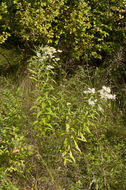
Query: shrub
(83, 29)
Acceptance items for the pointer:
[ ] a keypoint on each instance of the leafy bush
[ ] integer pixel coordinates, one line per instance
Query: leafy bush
(3, 33)
(83, 29)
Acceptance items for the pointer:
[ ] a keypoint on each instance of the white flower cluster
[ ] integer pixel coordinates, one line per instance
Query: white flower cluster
(48, 52)
(49, 67)
(38, 54)
(68, 104)
(104, 93)
(91, 102)
(89, 91)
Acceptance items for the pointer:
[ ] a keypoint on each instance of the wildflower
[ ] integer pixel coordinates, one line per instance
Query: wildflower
(49, 67)
(112, 97)
(85, 92)
(68, 104)
(38, 54)
(49, 51)
(15, 151)
(45, 57)
(78, 181)
(89, 91)
(60, 51)
(100, 108)
(92, 90)
(107, 89)
(105, 93)
(90, 102)
(57, 59)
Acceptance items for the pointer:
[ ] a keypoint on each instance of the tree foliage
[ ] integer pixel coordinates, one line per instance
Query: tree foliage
(83, 29)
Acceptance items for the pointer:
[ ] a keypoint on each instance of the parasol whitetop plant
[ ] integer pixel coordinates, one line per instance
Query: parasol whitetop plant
(99, 96)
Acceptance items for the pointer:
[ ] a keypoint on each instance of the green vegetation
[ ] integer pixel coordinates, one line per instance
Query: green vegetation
(62, 95)
(83, 29)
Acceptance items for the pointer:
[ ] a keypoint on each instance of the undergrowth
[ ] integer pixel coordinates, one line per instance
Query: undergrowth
(65, 134)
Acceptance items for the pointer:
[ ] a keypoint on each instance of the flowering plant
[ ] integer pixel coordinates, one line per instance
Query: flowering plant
(99, 96)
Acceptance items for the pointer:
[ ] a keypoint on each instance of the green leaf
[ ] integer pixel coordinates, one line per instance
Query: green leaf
(82, 137)
(76, 146)
(35, 122)
(39, 113)
(72, 157)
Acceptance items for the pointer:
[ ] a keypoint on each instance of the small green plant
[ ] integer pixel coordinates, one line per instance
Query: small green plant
(13, 148)
(5, 183)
